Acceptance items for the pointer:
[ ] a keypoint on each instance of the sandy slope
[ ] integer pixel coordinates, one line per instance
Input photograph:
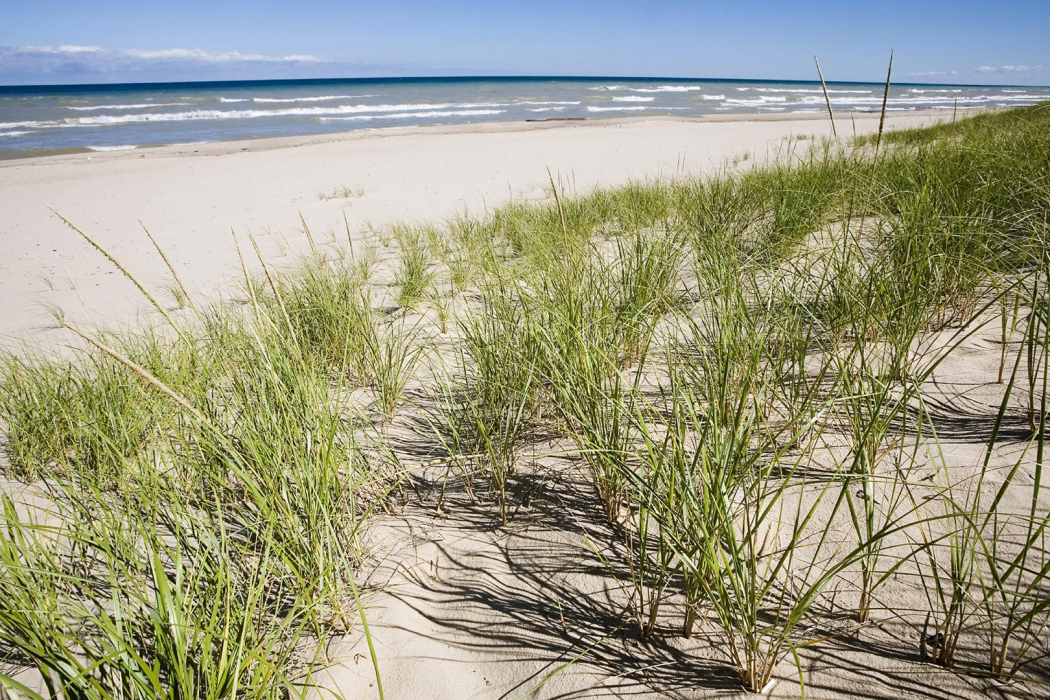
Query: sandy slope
(466, 608)
(190, 197)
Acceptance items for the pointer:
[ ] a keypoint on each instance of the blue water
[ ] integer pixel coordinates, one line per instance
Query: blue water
(48, 120)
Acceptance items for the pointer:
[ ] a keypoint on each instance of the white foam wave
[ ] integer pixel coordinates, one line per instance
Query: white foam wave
(972, 100)
(633, 98)
(757, 101)
(15, 133)
(22, 125)
(609, 87)
(128, 147)
(144, 105)
(819, 92)
(670, 88)
(616, 109)
(213, 114)
(546, 109)
(548, 102)
(713, 97)
(233, 99)
(321, 98)
(418, 115)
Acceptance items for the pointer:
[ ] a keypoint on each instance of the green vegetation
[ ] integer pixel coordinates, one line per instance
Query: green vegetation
(743, 365)
(342, 192)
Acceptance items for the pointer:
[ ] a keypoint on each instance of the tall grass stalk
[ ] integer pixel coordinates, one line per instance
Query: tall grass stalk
(127, 273)
(309, 236)
(184, 297)
(885, 100)
(827, 99)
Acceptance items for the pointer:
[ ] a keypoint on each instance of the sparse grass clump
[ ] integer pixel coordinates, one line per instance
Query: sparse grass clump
(414, 275)
(341, 192)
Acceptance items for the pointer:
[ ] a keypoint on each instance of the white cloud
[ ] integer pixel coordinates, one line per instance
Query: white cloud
(211, 57)
(80, 49)
(92, 64)
(932, 73)
(29, 50)
(1008, 69)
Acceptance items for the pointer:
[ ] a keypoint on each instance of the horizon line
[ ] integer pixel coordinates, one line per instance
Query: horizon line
(43, 87)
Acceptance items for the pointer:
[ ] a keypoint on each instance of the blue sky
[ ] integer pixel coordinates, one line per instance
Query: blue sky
(79, 41)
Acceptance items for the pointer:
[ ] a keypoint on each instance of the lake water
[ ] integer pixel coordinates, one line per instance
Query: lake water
(70, 119)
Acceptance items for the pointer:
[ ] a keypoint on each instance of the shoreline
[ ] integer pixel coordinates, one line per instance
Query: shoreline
(191, 197)
(494, 126)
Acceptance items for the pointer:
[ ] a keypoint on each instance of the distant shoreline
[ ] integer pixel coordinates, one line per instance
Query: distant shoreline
(495, 126)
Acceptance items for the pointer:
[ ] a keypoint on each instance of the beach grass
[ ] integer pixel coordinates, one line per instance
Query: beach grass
(742, 365)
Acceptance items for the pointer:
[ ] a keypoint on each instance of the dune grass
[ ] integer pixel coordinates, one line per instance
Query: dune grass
(741, 365)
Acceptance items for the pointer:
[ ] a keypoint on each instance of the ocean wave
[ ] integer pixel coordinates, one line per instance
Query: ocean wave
(819, 92)
(212, 114)
(934, 100)
(418, 115)
(547, 102)
(234, 99)
(609, 87)
(713, 97)
(546, 109)
(670, 88)
(322, 98)
(144, 105)
(128, 147)
(616, 109)
(757, 101)
(633, 98)
(14, 133)
(20, 125)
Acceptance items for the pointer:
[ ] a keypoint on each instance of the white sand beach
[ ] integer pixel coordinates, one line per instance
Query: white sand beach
(190, 197)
